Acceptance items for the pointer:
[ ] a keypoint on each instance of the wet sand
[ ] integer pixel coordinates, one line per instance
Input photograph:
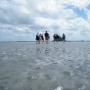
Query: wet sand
(31, 66)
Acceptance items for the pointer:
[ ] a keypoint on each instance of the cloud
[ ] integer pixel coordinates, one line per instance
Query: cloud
(22, 19)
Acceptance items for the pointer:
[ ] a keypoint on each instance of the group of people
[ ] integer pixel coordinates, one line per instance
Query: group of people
(40, 37)
(56, 38)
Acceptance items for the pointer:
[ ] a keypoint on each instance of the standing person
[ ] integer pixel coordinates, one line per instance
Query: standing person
(37, 38)
(63, 37)
(55, 36)
(42, 38)
(46, 36)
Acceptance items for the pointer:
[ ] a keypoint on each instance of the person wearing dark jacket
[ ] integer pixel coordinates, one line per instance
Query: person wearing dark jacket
(56, 37)
(46, 36)
(63, 37)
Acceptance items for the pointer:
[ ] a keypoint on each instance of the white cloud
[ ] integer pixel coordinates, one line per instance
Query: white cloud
(25, 10)
(47, 6)
(24, 18)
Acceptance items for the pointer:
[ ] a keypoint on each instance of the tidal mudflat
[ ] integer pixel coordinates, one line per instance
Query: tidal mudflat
(31, 66)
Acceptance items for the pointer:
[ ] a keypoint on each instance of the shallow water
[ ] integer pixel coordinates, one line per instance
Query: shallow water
(31, 66)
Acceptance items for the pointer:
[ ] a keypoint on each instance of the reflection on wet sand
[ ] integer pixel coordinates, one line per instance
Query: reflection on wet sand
(47, 51)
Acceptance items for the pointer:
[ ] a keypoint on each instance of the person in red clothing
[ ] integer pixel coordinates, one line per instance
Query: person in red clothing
(46, 36)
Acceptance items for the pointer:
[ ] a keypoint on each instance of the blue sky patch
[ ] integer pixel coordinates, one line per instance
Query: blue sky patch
(80, 13)
(88, 7)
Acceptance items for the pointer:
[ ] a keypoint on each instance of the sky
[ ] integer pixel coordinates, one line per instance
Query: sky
(20, 20)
